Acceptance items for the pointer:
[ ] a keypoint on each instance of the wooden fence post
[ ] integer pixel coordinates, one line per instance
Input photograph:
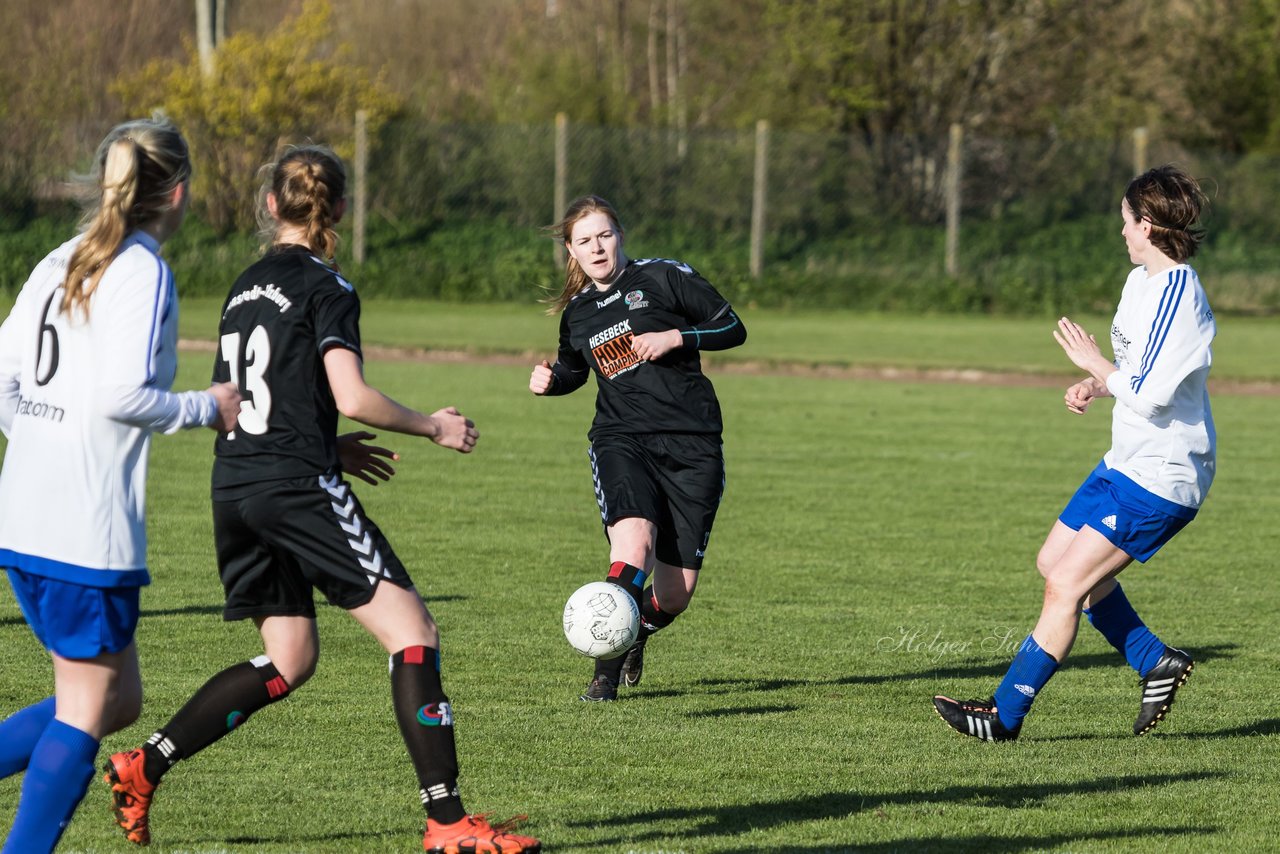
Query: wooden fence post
(1139, 150)
(759, 198)
(955, 161)
(360, 201)
(561, 195)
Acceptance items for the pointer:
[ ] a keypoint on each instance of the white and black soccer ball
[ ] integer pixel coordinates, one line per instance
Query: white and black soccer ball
(601, 620)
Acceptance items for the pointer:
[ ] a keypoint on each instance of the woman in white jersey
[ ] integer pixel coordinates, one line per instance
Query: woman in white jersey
(87, 357)
(1151, 482)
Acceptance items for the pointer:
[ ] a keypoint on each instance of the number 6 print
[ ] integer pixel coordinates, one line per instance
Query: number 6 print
(255, 409)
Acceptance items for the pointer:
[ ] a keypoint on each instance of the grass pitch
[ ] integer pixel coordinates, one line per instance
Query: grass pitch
(876, 545)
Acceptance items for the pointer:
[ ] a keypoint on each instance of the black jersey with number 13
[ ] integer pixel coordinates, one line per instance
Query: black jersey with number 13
(280, 318)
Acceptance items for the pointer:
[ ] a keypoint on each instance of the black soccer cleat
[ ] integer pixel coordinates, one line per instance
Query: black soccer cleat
(601, 690)
(977, 718)
(1159, 687)
(633, 664)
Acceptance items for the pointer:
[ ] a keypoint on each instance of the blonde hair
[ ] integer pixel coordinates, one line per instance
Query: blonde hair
(308, 183)
(136, 169)
(575, 278)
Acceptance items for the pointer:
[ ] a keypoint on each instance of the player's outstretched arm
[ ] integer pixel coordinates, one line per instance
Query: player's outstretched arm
(361, 402)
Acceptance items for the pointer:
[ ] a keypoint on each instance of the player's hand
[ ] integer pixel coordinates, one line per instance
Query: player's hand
(453, 430)
(228, 398)
(1079, 396)
(654, 345)
(541, 378)
(366, 462)
(1081, 347)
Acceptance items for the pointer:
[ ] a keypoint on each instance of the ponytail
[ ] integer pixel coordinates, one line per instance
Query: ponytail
(308, 184)
(136, 169)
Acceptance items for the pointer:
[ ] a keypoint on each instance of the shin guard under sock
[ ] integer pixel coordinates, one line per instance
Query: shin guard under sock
(19, 733)
(1030, 671)
(222, 704)
(629, 578)
(58, 775)
(426, 725)
(1124, 630)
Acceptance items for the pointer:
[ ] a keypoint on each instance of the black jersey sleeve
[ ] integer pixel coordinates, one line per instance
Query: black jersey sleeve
(712, 323)
(721, 333)
(571, 370)
(336, 311)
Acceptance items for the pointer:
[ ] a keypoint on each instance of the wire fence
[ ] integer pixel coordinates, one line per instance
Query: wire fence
(817, 185)
(858, 215)
(826, 203)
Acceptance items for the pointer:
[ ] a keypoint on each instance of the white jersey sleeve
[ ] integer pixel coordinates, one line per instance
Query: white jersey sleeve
(130, 325)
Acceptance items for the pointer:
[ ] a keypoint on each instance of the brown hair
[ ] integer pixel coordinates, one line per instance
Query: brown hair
(308, 183)
(1171, 200)
(575, 278)
(136, 168)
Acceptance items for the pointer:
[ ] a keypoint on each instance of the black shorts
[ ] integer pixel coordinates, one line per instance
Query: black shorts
(674, 480)
(274, 546)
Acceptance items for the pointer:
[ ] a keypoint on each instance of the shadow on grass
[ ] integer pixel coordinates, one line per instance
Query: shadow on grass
(184, 611)
(732, 820)
(209, 610)
(1076, 662)
(292, 839)
(1003, 845)
(1269, 726)
(749, 710)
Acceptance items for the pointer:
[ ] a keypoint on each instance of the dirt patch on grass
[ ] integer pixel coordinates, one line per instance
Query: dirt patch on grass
(786, 369)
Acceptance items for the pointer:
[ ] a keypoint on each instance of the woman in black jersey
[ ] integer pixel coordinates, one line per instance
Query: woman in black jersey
(655, 442)
(286, 522)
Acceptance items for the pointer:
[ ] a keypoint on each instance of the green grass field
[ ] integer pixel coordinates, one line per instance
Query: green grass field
(876, 546)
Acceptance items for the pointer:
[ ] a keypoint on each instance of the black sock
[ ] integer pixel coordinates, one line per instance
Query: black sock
(610, 668)
(222, 704)
(426, 724)
(629, 578)
(652, 618)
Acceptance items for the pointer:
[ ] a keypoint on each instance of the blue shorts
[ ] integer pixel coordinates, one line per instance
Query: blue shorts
(73, 620)
(1134, 520)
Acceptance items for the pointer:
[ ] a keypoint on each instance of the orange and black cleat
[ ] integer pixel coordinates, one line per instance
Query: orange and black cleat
(131, 794)
(474, 835)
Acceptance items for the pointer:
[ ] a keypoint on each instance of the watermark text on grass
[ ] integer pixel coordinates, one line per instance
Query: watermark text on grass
(933, 646)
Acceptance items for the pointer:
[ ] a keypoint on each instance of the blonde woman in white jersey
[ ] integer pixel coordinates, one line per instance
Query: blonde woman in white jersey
(1151, 482)
(87, 357)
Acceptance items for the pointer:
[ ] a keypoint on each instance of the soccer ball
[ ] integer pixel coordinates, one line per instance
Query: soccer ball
(601, 620)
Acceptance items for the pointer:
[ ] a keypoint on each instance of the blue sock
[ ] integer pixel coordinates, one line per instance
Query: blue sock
(1124, 629)
(1030, 670)
(19, 733)
(58, 774)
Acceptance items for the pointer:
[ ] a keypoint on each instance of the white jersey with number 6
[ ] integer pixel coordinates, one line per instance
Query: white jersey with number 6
(79, 399)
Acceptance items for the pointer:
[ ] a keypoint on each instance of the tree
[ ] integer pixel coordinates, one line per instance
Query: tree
(288, 86)
(1236, 87)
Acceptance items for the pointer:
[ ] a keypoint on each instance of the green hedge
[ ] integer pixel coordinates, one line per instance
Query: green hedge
(1007, 267)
